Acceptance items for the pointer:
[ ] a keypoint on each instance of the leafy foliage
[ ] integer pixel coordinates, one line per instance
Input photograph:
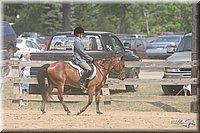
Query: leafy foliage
(130, 18)
(43, 18)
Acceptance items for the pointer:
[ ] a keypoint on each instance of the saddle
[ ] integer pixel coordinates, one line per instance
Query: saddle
(93, 73)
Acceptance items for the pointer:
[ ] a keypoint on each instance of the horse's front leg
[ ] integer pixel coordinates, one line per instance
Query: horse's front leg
(60, 97)
(97, 97)
(90, 98)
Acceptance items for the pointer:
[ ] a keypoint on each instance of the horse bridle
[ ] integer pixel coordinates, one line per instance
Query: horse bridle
(116, 73)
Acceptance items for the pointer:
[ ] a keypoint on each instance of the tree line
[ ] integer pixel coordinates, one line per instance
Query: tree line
(128, 18)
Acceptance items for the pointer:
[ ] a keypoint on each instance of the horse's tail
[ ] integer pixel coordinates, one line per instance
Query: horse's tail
(41, 75)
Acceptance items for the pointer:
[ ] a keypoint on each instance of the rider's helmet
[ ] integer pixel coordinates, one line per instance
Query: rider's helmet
(78, 30)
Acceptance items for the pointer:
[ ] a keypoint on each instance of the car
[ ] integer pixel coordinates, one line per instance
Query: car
(25, 45)
(183, 53)
(163, 46)
(30, 34)
(39, 42)
(9, 38)
(105, 44)
(136, 45)
(150, 39)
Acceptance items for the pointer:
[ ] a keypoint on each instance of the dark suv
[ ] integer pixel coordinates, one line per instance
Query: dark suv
(9, 38)
(8, 46)
(183, 53)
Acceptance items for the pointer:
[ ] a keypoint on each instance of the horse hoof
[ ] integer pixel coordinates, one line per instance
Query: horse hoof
(68, 112)
(99, 113)
(78, 113)
(43, 112)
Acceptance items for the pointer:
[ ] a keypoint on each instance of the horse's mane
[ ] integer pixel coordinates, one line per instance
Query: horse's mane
(108, 59)
(101, 62)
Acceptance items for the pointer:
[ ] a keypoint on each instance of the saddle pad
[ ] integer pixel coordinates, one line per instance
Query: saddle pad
(80, 69)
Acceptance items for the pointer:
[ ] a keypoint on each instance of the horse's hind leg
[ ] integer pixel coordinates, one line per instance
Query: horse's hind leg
(90, 98)
(45, 96)
(44, 99)
(60, 97)
(97, 96)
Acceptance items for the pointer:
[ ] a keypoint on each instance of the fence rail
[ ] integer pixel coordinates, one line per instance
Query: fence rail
(18, 96)
(158, 64)
(129, 81)
(112, 81)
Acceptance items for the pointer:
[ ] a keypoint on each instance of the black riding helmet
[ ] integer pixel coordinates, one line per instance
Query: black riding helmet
(78, 30)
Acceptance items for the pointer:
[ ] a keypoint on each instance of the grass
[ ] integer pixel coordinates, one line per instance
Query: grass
(143, 90)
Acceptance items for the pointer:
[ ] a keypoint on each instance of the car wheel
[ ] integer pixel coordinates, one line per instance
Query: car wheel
(172, 89)
(11, 51)
(132, 74)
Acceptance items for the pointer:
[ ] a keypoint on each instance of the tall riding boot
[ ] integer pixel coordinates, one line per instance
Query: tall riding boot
(82, 79)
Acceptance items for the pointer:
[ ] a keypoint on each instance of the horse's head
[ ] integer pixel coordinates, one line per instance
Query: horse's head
(119, 66)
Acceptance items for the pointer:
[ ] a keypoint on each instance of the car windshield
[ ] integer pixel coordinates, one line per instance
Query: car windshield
(31, 44)
(185, 44)
(112, 43)
(167, 39)
(65, 42)
(19, 40)
(39, 41)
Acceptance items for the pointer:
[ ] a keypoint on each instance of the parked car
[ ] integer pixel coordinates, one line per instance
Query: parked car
(136, 45)
(38, 42)
(150, 39)
(164, 46)
(9, 38)
(183, 53)
(25, 44)
(106, 45)
(30, 34)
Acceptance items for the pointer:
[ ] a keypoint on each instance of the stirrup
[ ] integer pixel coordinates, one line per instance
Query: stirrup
(83, 88)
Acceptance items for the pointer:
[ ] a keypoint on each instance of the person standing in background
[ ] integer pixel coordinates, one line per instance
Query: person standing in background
(24, 72)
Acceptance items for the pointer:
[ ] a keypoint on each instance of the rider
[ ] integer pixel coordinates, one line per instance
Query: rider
(80, 57)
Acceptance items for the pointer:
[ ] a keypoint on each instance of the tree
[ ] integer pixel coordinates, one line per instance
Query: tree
(133, 18)
(51, 18)
(42, 18)
(66, 9)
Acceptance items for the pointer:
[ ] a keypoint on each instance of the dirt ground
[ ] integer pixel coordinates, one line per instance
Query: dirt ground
(58, 120)
(115, 117)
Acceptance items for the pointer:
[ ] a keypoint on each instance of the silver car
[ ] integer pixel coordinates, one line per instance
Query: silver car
(164, 46)
(183, 53)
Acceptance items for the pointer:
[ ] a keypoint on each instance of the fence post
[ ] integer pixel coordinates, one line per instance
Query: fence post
(106, 94)
(195, 42)
(15, 74)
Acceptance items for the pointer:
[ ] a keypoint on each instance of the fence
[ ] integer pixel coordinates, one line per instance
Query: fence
(106, 97)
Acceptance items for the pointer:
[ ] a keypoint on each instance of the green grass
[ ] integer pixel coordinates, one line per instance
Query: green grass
(143, 90)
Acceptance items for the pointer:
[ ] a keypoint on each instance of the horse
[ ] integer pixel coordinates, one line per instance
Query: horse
(61, 73)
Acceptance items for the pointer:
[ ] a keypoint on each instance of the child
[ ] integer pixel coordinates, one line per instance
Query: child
(80, 57)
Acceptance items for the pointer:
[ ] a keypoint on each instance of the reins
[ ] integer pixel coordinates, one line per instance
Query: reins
(101, 65)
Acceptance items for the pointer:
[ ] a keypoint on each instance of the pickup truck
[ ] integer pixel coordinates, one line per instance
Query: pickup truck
(104, 44)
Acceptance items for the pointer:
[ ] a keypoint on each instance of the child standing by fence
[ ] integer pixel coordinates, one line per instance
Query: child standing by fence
(24, 72)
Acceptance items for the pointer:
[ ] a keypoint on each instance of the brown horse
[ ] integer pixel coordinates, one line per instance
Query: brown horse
(60, 73)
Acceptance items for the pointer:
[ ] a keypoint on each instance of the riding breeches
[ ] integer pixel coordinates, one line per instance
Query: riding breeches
(85, 66)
